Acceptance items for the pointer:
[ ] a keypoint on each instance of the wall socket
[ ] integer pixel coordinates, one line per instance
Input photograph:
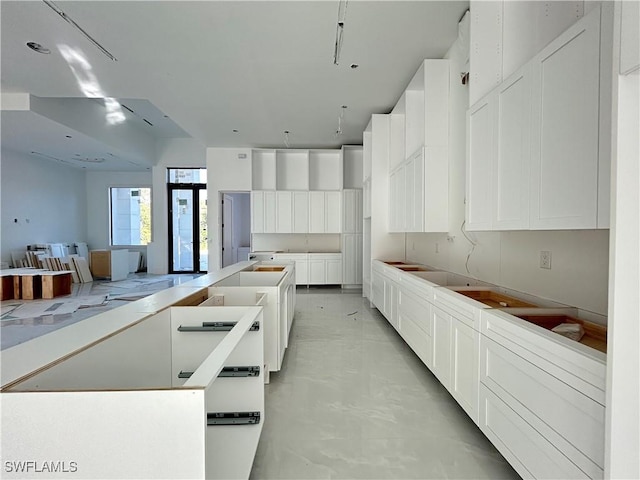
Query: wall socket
(545, 259)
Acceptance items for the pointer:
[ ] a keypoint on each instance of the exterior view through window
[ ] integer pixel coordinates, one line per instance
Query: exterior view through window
(130, 215)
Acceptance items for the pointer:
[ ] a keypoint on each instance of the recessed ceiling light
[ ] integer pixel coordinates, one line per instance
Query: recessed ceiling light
(354, 65)
(36, 47)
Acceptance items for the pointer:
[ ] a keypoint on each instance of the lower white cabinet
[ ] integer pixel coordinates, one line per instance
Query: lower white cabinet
(414, 324)
(441, 363)
(141, 388)
(315, 268)
(301, 261)
(465, 358)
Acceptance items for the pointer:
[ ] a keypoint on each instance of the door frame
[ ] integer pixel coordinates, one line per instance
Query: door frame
(195, 189)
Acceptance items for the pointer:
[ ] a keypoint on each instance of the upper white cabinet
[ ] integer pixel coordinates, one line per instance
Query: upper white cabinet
(629, 37)
(325, 170)
(263, 212)
(498, 157)
(325, 212)
(427, 107)
(537, 156)
(284, 212)
(565, 129)
(352, 166)
(292, 170)
(480, 152)
(419, 165)
(263, 170)
(505, 35)
(300, 212)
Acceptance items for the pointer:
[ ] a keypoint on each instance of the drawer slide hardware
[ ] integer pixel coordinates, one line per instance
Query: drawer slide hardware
(216, 327)
(252, 371)
(233, 418)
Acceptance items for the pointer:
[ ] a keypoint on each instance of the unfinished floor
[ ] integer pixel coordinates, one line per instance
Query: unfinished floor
(353, 401)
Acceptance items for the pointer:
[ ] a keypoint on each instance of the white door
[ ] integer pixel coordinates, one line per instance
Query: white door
(316, 272)
(284, 213)
(257, 212)
(333, 212)
(441, 365)
(565, 128)
(512, 158)
(270, 212)
(300, 212)
(316, 212)
(479, 162)
(333, 272)
(465, 357)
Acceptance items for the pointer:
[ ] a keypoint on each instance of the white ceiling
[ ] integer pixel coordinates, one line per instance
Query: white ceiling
(211, 66)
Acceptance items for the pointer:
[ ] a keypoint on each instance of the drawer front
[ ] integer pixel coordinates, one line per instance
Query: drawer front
(458, 308)
(465, 359)
(415, 308)
(416, 338)
(584, 372)
(570, 420)
(528, 452)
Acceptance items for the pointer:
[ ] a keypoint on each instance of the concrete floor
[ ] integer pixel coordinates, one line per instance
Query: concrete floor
(353, 401)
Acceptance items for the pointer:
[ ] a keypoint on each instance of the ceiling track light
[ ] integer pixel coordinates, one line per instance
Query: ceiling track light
(286, 138)
(342, 14)
(71, 22)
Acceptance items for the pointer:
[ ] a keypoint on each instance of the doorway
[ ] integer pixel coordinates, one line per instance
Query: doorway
(235, 227)
(188, 236)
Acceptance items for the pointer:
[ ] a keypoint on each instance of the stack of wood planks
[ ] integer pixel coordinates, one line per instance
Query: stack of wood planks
(78, 266)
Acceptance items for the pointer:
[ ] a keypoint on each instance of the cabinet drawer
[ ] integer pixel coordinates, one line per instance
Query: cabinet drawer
(416, 338)
(528, 452)
(458, 306)
(418, 310)
(571, 421)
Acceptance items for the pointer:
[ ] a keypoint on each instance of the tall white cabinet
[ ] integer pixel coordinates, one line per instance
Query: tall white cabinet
(537, 155)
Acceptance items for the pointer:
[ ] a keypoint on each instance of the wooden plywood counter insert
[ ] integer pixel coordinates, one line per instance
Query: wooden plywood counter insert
(495, 299)
(595, 336)
(268, 269)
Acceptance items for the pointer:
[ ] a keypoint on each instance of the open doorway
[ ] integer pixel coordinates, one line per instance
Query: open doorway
(236, 227)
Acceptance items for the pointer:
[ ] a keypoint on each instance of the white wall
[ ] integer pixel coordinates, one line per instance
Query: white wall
(98, 184)
(50, 195)
(179, 153)
(241, 219)
(226, 172)
(296, 243)
(579, 274)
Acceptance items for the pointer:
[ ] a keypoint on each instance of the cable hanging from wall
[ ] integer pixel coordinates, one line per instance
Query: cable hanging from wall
(343, 109)
(473, 245)
(286, 138)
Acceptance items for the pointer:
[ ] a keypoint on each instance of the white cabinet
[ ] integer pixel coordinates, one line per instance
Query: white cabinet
(284, 216)
(352, 211)
(315, 268)
(534, 154)
(414, 324)
(565, 128)
(352, 259)
(441, 362)
(333, 271)
(316, 271)
(465, 359)
(257, 212)
(300, 212)
(629, 37)
(270, 212)
(301, 261)
(480, 151)
(397, 200)
(325, 212)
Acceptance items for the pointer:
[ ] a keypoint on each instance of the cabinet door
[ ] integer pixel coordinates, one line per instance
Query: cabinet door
(349, 259)
(270, 212)
(392, 221)
(284, 213)
(409, 195)
(316, 212)
(333, 272)
(400, 212)
(465, 358)
(629, 37)
(417, 177)
(512, 158)
(441, 338)
(302, 272)
(333, 212)
(316, 272)
(480, 151)
(565, 127)
(300, 212)
(257, 212)
(349, 211)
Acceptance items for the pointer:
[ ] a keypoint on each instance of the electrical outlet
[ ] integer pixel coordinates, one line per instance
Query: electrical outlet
(545, 259)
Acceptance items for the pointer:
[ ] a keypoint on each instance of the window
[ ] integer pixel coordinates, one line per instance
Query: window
(130, 215)
(187, 175)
